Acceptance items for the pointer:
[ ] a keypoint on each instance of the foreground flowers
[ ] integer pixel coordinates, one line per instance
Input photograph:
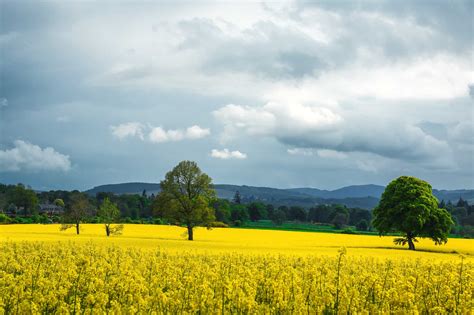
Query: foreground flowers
(71, 277)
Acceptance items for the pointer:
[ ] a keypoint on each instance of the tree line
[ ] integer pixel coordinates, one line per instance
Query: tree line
(188, 199)
(22, 204)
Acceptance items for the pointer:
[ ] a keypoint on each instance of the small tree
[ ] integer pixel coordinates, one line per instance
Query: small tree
(185, 197)
(108, 214)
(408, 206)
(77, 211)
(340, 219)
(59, 202)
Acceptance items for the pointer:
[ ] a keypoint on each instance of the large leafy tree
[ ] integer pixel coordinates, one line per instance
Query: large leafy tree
(408, 206)
(78, 209)
(185, 197)
(108, 214)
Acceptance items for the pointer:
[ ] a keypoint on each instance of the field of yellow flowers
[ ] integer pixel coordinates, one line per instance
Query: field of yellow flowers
(153, 269)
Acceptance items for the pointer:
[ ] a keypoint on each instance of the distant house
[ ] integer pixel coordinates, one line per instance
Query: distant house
(50, 209)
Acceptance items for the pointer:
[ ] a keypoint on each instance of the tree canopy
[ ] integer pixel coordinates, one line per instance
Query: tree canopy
(77, 211)
(109, 213)
(186, 195)
(408, 206)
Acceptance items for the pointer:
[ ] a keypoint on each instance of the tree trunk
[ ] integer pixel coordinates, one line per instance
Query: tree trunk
(107, 229)
(77, 228)
(190, 233)
(411, 245)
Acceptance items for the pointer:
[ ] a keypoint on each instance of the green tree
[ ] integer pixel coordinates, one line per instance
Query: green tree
(296, 213)
(237, 198)
(185, 197)
(222, 210)
(257, 211)
(239, 214)
(108, 214)
(59, 202)
(362, 225)
(23, 198)
(339, 220)
(79, 208)
(278, 216)
(408, 206)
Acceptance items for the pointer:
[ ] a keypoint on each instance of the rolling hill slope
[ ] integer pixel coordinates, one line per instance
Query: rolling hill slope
(362, 196)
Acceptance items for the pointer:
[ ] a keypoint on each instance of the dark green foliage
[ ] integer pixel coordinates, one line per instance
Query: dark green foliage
(320, 213)
(296, 213)
(278, 216)
(408, 206)
(362, 225)
(185, 197)
(257, 211)
(77, 211)
(222, 210)
(340, 220)
(239, 213)
(237, 198)
(23, 198)
(462, 203)
(348, 231)
(356, 215)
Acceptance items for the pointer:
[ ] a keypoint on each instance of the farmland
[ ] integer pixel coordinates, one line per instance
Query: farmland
(153, 268)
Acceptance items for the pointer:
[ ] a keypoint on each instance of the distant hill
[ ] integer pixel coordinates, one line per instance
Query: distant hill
(356, 191)
(125, 188)
(362, 196)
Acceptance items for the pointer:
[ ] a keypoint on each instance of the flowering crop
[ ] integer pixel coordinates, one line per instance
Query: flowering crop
(62, 273)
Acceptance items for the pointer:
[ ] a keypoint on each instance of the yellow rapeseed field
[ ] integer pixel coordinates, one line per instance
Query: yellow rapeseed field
(153, 269)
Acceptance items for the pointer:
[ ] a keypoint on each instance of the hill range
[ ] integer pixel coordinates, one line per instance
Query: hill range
(361, 196)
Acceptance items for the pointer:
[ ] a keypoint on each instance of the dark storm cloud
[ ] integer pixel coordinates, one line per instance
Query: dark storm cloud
(452, 18)
(71, 70)
(265, 49)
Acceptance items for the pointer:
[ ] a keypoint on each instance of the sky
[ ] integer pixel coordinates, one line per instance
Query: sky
(281, 94)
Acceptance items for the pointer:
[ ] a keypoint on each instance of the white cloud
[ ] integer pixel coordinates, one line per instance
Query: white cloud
(196, 132)
(130, 129)
(439, 77)
(275, 119)
(226, 154)
(29, 157)
(158, 134)
(333, 132)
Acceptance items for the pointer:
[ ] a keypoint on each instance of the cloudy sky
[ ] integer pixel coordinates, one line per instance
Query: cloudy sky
(321, 94)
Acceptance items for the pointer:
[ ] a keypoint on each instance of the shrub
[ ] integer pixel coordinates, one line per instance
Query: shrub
(348, 231)
(4, 219)
(218, 224)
